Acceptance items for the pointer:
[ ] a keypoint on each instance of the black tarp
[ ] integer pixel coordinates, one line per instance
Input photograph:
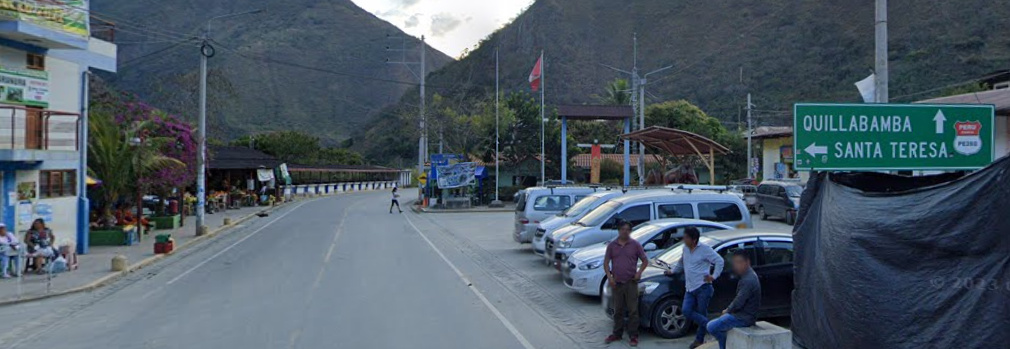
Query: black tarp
(886, 261)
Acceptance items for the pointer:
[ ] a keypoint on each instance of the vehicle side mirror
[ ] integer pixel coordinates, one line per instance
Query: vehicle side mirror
(650, 246)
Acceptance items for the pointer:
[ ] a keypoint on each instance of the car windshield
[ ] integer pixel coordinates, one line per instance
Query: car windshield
(794, 191)
(643, 231)
(672, 255)
(580, 206)
(598, 215)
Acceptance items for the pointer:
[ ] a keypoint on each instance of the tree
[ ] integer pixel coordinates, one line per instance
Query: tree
(299, 147)
(686, 116)
(617, 92)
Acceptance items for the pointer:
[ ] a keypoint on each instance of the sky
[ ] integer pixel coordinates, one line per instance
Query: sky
(451, 26)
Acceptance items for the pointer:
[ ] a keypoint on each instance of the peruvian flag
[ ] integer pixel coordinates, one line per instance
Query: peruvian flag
(536, 76)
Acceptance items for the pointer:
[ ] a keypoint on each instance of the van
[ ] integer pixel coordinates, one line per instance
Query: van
(779, 199)
(601, 224)
(569, 216)
(536, 204)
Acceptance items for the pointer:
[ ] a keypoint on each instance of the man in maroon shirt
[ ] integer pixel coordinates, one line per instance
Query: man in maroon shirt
(624, 252)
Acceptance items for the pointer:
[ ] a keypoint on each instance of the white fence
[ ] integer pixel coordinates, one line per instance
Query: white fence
(335, 188)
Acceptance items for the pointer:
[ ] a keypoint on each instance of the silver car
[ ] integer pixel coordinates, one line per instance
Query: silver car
(547, 227)
(539, 203)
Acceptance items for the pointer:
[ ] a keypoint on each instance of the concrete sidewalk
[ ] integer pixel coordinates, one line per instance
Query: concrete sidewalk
(95, 268)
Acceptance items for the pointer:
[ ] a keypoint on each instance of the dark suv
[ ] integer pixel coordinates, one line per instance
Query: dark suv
(661, 296)
(779, 199)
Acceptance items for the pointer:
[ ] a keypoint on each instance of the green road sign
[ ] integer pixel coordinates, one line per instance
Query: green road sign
(873, 137)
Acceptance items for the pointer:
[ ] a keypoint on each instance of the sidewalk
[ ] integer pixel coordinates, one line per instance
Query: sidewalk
(509, 207)
(95, 268)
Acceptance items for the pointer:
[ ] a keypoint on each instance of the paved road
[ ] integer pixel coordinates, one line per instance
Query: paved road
(338, 272)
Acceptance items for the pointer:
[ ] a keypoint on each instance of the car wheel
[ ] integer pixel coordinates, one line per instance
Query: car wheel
(668, 320)
(762, 213)
(602, 285)
(791, 217)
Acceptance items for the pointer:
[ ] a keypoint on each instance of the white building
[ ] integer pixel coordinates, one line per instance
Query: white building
(43, 92)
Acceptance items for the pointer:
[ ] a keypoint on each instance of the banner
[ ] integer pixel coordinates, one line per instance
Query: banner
(68, 16)
(24, 87)
(457, 175)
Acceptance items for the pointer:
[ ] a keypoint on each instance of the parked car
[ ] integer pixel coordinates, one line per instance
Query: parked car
(779, 199)
(749, 194)
(661, 296)
(569, 216)
(601, 224)
(582, 271)
(538, 203)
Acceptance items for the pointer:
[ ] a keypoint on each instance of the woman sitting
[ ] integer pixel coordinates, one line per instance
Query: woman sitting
(8, 252)
(40, 242)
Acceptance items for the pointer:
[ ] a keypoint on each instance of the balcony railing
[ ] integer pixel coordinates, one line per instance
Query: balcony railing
(103, 29)
(23, 128)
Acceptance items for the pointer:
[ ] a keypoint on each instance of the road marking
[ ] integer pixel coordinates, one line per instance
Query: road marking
(508, 324)
(336, 235)
(226, 249)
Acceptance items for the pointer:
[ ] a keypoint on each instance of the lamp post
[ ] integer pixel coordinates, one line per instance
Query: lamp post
(137, 142)
(206, 51)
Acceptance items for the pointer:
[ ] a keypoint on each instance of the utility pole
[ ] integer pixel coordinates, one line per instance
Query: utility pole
(638, 83)
(422, 142)
(206, 51)
(750, 145)
(497, 202)
(881, 69)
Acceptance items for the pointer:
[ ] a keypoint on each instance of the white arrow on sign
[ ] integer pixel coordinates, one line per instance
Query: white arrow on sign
(939, 118)
(814, 150)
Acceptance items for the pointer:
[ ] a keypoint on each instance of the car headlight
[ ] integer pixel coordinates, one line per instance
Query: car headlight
(566, 242)
(592, 265)
(647, 287)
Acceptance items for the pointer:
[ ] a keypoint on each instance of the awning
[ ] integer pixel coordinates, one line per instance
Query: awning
(680, 143)
(480, 172)
(91, 181)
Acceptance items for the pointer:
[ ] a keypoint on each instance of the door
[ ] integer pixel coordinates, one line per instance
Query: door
(775, 269)
(635, 215)
(33, 128)
(725, 285)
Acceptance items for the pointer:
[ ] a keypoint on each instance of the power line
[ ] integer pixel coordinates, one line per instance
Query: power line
(162, 50)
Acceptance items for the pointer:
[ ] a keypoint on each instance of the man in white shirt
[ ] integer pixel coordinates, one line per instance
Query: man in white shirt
(701, 265)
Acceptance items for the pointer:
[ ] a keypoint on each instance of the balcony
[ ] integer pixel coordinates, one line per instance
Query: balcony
(34, 134)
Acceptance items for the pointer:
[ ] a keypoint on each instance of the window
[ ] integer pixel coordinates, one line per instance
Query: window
(521, 202)
(777, 252)
(36, 61)
(636, 215)
(719, 212)
(552, 203)
(726, 251)
(676, 211)
(59, 183)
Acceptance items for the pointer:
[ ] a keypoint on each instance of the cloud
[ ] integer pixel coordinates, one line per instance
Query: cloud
(406, 3)
(443, 23)
(413, 21)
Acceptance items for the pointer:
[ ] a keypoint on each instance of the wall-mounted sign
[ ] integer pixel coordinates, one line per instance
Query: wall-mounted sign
(68, 16)
(24, 87)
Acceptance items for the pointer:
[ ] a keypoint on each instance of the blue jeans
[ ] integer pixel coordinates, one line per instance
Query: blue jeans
(696, 309)
(5, 261)
(723, 324)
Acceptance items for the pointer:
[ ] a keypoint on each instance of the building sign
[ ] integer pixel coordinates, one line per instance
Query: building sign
(68, 16)
(24, 87)
(456, 175)
(871, 137)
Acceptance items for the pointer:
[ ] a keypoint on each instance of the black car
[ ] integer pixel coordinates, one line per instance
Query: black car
(779, 199)
(661, 296)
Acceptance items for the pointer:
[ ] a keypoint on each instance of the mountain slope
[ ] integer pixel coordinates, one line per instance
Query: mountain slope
(782, 51)
(258, 76)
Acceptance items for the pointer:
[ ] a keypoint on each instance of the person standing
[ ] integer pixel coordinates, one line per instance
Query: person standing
(395, 202)
(701, 265)
(743, 311)
(624, 253)
(8, 252)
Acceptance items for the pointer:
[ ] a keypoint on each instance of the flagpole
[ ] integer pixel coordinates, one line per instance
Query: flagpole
(497, 156)
(543, 87)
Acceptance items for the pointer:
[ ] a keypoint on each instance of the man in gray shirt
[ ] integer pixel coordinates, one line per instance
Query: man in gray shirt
(743, 311)
(701, 265)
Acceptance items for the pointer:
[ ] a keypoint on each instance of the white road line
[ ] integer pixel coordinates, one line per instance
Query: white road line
(508, 324)
(244, 238)
(336, 235)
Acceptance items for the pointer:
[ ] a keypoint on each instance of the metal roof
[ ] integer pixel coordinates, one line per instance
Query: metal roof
(596, 112)
(239, 158)
(771, 132)
(999, 98)
(676, 142)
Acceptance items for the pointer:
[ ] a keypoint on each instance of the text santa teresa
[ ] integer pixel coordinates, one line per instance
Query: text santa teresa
(857, 123)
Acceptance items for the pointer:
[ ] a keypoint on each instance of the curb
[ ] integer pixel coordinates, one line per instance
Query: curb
(108, 279)
(418, 209)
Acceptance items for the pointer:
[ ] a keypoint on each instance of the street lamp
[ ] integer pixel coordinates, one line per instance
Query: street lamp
(206, 51)
(136, 142)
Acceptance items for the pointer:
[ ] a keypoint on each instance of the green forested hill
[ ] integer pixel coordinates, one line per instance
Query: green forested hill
(782, 51)
(256, 94)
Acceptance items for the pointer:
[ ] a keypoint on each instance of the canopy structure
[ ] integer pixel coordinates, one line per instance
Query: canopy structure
(594, 112)
(680, 143)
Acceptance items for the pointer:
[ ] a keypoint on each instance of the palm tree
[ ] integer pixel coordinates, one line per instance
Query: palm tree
(617, 93)
(117, 155)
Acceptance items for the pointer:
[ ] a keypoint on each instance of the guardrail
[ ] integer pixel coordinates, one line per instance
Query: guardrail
(334, 188)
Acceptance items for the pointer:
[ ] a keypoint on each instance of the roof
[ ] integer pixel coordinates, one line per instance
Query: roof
(596, 112)
(239, 158)
(764, 132)
(998, 98)
(585, 160)
(341, 168)
(653, 194)
(675, 142)
(665, 222)
(723, 235)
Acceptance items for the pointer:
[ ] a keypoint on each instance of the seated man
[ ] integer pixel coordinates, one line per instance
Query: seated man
(744, 309)
(9, 253)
